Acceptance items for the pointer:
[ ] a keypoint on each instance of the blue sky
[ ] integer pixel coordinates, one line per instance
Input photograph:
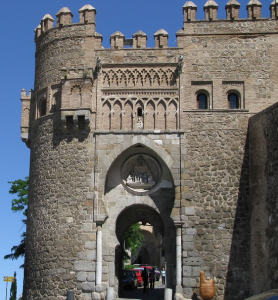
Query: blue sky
(18, 19)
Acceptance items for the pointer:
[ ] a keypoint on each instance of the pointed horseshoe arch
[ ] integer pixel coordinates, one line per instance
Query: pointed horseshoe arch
(144, 141)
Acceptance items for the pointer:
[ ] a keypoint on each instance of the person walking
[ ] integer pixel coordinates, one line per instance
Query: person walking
(163, 275)
(145, 277)
(152, 278)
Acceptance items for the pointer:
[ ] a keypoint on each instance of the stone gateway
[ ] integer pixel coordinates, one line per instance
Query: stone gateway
(184, 139)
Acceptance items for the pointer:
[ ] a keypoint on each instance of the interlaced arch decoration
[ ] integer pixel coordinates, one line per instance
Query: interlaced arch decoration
(139, 77)
(121, 113)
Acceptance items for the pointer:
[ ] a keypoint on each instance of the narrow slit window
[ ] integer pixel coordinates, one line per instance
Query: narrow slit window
(43, 108)
(139, 112)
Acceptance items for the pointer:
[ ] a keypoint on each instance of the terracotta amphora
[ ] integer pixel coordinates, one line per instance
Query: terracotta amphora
(207, 289)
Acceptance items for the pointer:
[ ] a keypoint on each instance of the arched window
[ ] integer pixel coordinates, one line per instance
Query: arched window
(202, 101)
(233, 101)
(43, 107)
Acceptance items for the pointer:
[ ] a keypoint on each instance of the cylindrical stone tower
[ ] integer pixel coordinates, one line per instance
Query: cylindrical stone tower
(62, 159)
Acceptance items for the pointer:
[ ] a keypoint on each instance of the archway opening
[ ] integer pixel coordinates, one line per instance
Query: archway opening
(157, 248)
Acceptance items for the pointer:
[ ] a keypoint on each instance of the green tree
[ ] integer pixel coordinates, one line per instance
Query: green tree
(13, 289)
(133, 238)
(20, 188)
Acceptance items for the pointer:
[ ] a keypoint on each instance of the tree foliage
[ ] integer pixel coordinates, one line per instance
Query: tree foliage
(133, 238)
(13, 289)
(20, 188)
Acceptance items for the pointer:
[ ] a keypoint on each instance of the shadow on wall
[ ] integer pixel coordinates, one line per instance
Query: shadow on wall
(70, 130)
(238, 275)
(253, 256)
(263, 200)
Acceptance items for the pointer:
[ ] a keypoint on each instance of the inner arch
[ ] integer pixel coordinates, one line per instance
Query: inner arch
(138, 213)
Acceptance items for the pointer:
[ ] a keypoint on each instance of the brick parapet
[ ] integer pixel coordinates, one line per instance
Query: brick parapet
(148, 56)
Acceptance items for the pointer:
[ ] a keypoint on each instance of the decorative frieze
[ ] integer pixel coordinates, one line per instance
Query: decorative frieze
(127, 113)
(139, 78)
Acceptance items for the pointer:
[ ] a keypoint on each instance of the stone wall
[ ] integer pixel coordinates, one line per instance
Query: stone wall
(61, 234)
(263, 199)
(215, 204)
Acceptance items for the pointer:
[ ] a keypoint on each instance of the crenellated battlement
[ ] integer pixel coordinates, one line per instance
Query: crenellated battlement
(232, 25)
(254, 8)
(64, 18)
(87, 16)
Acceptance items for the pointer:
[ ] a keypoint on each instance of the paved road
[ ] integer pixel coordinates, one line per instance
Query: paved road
(156, 294)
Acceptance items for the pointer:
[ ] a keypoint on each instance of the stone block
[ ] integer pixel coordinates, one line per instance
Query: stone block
(96, 296)
(187, 271)
(188, 238)
(190, 231)
(99, 288)
(81, 276)
(90, 245)
(105, 277)
(91, 276)
(192, 261)
(91, 255)
(187, 196)
(87, 227)
(196, 271)
(86, 296)
(84, 266)
(189, 282)
(188, 246)
(88, 287)
(90, 196)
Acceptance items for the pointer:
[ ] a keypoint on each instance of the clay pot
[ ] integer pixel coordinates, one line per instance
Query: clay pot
(207, 289)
